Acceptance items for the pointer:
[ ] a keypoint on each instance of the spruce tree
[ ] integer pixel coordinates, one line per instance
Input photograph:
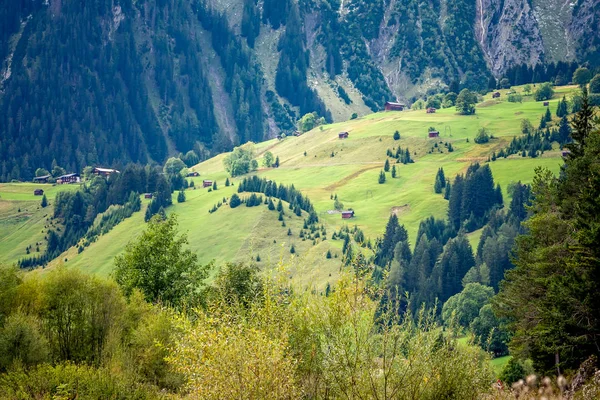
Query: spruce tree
(393, 171)
(181, 197)
(227, 182)
(381, 177)
(280, 206)
(396, 135)
(44, 202)
(583, 124)
(548, 115)
(386, 166)
(214, 187)
(292, 249)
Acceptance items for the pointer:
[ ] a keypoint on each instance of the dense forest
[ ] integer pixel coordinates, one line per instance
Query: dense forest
(112, 82)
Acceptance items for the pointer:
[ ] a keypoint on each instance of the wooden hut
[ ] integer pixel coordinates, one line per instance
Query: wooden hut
(394, 106)
(41, 179)
(207, 183)
(343, 135)
(434, 134)
(38, 192)
(148, 196)
(546, 103)
(193, 173)
(495, 95)
(104, 171)
(348, 214)
(431, 110)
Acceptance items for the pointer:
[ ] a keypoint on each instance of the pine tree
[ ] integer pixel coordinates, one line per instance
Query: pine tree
(280, 206)
(381, 177)
(447, 191)
(440, 181)
(548, 115)
(227, 182)
(44, 202)
(386, 166)
(564, 131)
(276, 164)
(583, 124)
(181, 197)
(289, 232)
(328, 254)
(396, 135)
(292, 249)
(270, 205)
(393, 171)
(561, 109)
(214, 186)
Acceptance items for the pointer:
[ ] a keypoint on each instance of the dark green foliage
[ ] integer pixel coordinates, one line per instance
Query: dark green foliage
(291, 75)
(544, 92)
(292, 249)
(227, 182)
(482, 136)
(381, 177)
(582, 76)
(243, 77)
(234, 201)
(343, 95)
(394, 171)
(440, 181)
(486, 324)
(563, 108)
(548, 115)
(386, 166)
(512, 372)
(157, 265)
(181, 197)
(394, 233)
(465, 102)
(328, 256)
(44, 202)
(595, 84)
(250, 21)
(396, 135)
(551, 299)
(239, 284)
(472, 197)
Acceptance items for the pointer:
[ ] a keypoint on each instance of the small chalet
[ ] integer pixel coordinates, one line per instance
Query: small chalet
(38, 192)
(104, 171)
(343, 135)
(193, 173)
(393, 106)
(68, 178)
(495, 95)
(41, 179)
(207, 183)
(348, 214)
(434, 134)
(431, 110)
(546, 103)
(148, 196)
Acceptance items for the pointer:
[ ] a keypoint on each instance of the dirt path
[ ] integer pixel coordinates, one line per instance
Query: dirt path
(348, 178)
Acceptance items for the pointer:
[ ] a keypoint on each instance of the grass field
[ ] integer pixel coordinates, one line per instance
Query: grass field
(320, 165)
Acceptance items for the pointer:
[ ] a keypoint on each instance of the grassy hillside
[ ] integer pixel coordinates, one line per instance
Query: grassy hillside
(320, 165)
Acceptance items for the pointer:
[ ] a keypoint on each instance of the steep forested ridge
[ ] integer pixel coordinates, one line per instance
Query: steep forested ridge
(111, 82)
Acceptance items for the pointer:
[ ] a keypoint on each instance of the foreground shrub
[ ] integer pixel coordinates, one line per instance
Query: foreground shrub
(68, 381)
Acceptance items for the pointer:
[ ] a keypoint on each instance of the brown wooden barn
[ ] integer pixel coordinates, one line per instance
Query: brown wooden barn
(207, 183)
(193, 173)
(434, 134)
(495, 95)
(343, 135)
(393, 106)
(148, 195)
(546, 103)
(38, 192)
(348, 214)
(431, 110)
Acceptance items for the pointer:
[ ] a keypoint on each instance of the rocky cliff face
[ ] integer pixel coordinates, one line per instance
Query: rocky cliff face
(508, 33)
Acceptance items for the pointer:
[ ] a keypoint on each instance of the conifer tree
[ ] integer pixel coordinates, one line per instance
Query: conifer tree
(227, 182)
(381, 177)
(181, 197)
(548, 115)
(393, 171)
(44, 202)
(386, 166)
(214, 186)
(396, 135)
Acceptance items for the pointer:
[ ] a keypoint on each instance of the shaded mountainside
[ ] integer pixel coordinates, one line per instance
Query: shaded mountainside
(113, 81)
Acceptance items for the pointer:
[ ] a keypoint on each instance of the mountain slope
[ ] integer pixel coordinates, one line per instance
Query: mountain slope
(109, 82)
(321, 166)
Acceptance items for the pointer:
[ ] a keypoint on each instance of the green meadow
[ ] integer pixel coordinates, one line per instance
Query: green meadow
(320, 165)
